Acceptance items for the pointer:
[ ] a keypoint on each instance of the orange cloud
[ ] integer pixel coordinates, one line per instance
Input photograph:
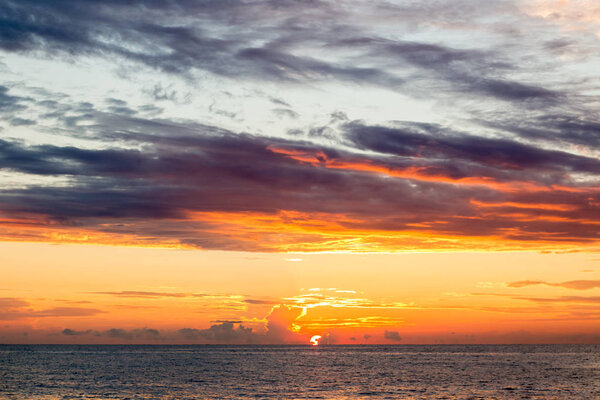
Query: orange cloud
(16, 309)
(574, 15)
(577, 284)
(320, 159)
(292, 231)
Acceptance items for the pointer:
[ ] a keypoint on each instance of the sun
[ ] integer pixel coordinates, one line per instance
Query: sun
(315, 340)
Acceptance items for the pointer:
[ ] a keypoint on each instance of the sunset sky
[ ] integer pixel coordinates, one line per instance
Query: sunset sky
(262, 171)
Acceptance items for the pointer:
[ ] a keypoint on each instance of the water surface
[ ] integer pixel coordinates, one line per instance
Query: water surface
(302, 372)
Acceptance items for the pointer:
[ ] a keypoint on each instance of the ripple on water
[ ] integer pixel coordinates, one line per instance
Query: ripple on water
(337, 372)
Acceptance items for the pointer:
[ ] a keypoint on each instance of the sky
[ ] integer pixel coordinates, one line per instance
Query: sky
(263, 171)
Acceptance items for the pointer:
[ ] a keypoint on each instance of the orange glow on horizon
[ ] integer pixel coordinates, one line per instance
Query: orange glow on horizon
(293, 231)
(415, 298)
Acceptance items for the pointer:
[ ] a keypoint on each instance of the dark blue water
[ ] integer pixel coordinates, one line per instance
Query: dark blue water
(288, 372)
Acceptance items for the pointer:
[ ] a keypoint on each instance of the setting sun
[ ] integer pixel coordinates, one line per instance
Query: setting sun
(315, 340)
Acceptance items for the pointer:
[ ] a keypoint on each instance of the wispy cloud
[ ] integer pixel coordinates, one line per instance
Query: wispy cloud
(16, 309)
(562, 299)
(577, 284)
(147, 295)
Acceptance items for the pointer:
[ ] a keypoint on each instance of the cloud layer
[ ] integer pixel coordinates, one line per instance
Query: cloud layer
(507, 160)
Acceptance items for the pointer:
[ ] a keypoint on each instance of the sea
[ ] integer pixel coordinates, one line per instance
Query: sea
(300, 372)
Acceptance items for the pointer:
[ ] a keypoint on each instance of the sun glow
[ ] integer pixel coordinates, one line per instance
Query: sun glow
(315, 340)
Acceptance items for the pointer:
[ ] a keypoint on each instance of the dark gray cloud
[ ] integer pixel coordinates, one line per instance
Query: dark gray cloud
(72, 332)
(140, 334)
(580, 128)
(447, 180)
(491, 157)
(394, 336)
(224, 332)
(465, 71)
(221, 332)
(152, 27)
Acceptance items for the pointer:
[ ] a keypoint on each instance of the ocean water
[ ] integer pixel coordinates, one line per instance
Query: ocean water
(300, 372)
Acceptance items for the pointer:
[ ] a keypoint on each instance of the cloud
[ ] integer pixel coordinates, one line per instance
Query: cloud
(281, 326)
(285, 113)
(259, 301)
(561, 299)
(228, 321)
(462, 70)
(147, 295)
(21, 122)
(71, 332)
(369, 322)
(10, 103)
(11, 303)
(28, 335)
(279, 329)
(206, 303)
(82, 30)
(64, 312)
(113, 184)
(515, 168)
(491, 157)
(339, 299)
(580, 128)
(394, 336)
(573, 303)
(183, 37)
(446, 182)
(224, 332)
(15, 309)
(140, 334)
(578, 16)
(577, 284)
(118, 334)
(143, 333)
